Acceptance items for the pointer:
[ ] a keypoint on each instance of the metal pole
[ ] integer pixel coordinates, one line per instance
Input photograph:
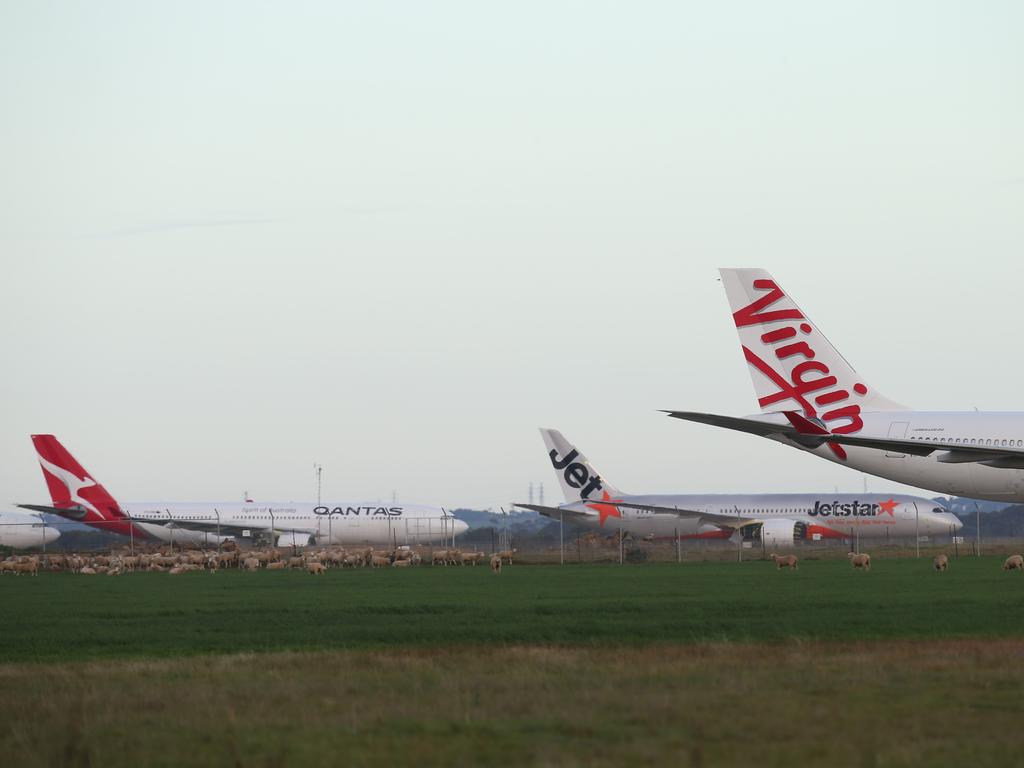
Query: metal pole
(217, 513)
(170, 527)
(679, 552)
(739, 538)
(917, 531)
(977, 516)
(131, 537)
(561, 539)
(620, 542)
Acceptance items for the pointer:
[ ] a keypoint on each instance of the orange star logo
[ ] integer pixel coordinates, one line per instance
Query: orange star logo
(889, 507)
(606, 510)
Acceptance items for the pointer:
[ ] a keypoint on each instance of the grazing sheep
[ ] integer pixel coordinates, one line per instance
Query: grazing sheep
(860, 560)
(251, 564)
(380, 561)
(496, 564)
(295, 562)
(940, 563)
(87, 571)
(277, 565)
(316, 569)
(507, 555)
(1014, 563)
(785, 561)
(401, 563)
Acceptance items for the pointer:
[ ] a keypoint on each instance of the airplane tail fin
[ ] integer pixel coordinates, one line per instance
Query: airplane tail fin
(576, 475)
(792, 364)
(71, 487)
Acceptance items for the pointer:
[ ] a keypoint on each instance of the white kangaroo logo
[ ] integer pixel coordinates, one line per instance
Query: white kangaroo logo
(72, 482)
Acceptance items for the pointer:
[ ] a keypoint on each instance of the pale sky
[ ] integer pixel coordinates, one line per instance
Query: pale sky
(396, 238)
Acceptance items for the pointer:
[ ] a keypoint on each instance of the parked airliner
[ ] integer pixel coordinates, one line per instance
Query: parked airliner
(77, 496)
(811, 398)
(24, 531)
(782, 518)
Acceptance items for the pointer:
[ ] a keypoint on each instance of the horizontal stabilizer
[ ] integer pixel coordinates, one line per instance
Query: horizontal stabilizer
(72, 512)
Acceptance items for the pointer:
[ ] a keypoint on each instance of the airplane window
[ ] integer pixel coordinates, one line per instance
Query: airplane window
(988, 442)
(1018, 443)
(1004, 442)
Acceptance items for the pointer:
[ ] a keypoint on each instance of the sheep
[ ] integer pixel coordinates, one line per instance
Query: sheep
(176, 570)
(316, 569)
(785, 561)
(251, 564)
(401, 563)
(87, 571)
(295, 562)
(1014, 563)
(471, 558)
(380, 561)
(860, 560)
(496, 564)
(940, 563)
(277, 565)
(507, 555)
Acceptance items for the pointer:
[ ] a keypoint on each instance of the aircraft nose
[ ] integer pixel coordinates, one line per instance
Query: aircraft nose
(50, 535)
(957, 522)
(459, 526)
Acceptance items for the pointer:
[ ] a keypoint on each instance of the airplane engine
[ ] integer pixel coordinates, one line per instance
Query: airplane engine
(294, 539)
(780, 533)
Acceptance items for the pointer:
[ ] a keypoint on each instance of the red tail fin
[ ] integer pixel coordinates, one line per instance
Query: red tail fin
(72, 488)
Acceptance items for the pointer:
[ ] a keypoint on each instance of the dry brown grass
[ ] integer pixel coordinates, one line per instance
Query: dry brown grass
(891, 703)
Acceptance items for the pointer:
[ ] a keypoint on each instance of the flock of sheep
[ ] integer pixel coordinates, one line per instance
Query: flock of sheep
(863, 561)
(315, 562)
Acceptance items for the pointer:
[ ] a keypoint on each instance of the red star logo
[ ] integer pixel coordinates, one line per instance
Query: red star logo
(606, 510)
(889, 507)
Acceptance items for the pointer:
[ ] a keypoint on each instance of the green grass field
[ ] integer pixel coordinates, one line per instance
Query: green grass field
(62, 617)
(700, 663)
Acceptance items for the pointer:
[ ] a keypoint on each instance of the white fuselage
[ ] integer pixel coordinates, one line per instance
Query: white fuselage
(811, 515)
(967, 479)
(24, 531)
(298, 522)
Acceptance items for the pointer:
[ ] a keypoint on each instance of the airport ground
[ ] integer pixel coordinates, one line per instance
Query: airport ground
(703, 663)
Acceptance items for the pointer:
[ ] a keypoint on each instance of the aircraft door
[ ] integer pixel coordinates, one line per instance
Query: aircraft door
(897, 430)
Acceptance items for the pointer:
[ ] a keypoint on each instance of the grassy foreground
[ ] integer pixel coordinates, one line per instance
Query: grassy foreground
(836, 704)
(64, 617)
(699, 664)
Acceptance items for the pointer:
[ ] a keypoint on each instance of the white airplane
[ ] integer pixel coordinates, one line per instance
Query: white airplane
(23, 531)
(77, 496)
(811, 398)
(783, 518)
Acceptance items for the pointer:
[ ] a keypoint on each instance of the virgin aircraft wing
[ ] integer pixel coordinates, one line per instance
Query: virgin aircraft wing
(1000, 457)
(811, 434)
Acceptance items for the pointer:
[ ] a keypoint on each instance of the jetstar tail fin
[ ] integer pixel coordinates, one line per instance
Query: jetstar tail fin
(576, 475)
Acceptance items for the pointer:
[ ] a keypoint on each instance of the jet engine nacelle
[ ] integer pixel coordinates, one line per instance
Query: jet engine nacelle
(295, 539)
(780, 532)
